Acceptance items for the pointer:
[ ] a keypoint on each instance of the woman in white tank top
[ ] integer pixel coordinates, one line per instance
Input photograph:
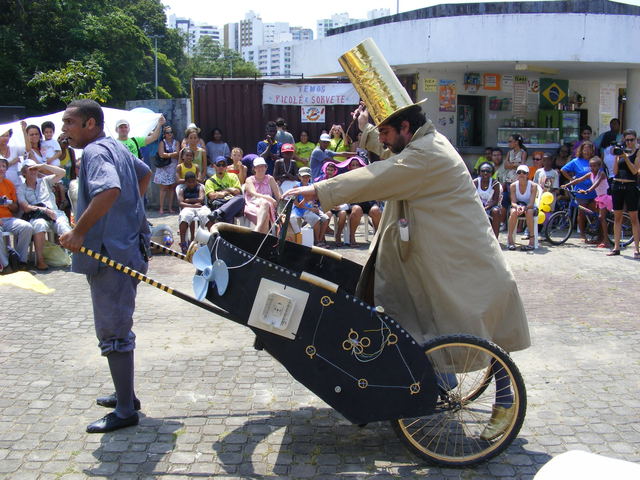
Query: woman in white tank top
(523, 196)
(489, 192)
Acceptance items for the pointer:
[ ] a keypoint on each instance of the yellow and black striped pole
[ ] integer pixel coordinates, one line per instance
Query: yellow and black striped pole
(150, 281)
(181, 256)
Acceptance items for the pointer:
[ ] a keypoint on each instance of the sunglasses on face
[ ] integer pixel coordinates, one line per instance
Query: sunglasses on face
(629, 139)
(521, 172)
(485, 171)
(536, 159)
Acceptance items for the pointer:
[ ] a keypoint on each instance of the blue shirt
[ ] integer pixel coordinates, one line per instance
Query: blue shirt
(580, 167)
(106, 164)
(317, 159)
(299, 211)
(275, 153)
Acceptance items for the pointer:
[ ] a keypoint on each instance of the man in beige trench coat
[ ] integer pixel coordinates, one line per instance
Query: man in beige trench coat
(449, 276)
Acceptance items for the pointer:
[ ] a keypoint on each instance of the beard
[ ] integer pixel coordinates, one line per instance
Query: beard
(398, 145)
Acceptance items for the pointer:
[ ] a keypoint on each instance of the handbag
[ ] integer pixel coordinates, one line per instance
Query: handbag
(35, 214)
(160, 162)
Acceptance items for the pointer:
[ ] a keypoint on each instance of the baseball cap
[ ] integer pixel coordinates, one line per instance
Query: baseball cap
(221, 159)
(122, 121)
(27, 163)
(304, 171)
(522, 168)
(287, 147)
(325, 137)
(259, 161)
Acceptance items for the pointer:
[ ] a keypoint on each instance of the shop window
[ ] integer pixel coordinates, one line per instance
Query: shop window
(470, 121)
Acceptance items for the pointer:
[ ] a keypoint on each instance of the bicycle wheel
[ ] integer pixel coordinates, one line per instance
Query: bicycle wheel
(626, 232)
(559, 228)
(592, 229)
(455, 434)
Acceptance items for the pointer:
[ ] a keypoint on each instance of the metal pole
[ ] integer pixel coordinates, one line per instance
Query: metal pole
(155, 38)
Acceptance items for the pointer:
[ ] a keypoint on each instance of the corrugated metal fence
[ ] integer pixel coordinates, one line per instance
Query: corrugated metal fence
(235, 106)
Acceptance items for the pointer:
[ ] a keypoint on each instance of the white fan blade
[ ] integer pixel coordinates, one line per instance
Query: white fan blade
(220, 276)
(202, 258)
(200, 287)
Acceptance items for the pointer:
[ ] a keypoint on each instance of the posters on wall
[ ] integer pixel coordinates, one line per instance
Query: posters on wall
(507, 82)
(312, 114)
(472, 82)
(491, 81)
(608, 105)
(533, 94)
(447, 95)
(431, 85)
(520, 95)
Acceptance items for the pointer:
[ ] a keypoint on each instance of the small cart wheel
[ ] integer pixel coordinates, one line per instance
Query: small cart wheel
(456, 433)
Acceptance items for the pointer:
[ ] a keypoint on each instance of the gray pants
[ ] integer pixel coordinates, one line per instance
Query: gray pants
(23, 231)
(114, 299)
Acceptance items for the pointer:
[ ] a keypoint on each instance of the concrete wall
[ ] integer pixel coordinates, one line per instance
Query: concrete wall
(484, 38)
(177, 111)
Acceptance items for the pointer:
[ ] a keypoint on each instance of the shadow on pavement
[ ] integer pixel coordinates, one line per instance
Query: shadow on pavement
(311, 440)
(128, 446)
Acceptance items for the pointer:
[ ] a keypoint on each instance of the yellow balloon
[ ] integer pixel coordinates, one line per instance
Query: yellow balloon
(541, 217)
(547, 198)
(545, 207)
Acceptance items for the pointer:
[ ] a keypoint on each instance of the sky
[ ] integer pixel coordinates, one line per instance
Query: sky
(298, 13)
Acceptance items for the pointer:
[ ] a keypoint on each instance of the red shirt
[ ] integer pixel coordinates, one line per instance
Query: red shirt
(9, 190)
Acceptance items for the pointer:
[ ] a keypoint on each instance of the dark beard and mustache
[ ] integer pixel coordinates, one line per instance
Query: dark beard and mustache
(398, 145)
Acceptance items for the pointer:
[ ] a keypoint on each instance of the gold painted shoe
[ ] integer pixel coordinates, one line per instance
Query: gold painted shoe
(500, 419)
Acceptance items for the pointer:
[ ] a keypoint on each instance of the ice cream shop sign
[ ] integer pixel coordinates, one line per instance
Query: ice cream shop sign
(310, 94)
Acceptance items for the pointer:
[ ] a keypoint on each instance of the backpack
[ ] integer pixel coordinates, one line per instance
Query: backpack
(137, 147)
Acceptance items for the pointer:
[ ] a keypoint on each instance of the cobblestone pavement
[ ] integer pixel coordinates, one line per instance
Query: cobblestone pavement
(213, 407)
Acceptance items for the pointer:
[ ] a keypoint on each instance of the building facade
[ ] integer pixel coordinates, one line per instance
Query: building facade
(515, 65)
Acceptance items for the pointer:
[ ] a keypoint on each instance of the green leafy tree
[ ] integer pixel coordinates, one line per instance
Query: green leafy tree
(44, 35)
(75, 80)
(211, 59)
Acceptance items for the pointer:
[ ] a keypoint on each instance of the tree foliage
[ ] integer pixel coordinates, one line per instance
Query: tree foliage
(75, 80)
(106, 42)
(211, 59)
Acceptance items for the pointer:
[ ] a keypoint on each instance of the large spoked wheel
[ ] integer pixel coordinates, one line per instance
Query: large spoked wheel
(559, 228)
(456, 433)
(626, 233)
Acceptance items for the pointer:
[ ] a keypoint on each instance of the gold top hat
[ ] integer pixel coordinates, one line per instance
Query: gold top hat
(375, 82)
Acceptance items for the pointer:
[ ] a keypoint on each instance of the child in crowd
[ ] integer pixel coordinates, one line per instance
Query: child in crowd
(310, 211)
(547, 176)
(186, 165)
(236, 166)
(50, 147)
(604, 202)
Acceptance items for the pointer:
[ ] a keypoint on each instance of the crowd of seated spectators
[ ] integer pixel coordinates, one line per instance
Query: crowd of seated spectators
(238, 186)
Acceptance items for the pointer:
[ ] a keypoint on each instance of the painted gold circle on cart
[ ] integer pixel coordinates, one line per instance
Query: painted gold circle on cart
(363, 383)
(326, 301)
(310, 350)
(392, 339)
(414, 388)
